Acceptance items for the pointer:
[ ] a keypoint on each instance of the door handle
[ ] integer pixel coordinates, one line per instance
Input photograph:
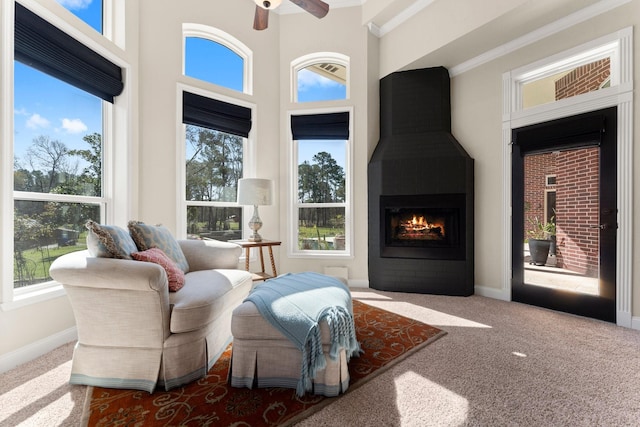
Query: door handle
(604, 226)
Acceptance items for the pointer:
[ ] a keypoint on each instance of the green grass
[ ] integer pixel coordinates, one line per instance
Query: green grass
(319, 234)
(312, 232)
(38, 260)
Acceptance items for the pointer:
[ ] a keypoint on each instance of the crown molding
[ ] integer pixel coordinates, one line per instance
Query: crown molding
(541, 33)
(399, 19)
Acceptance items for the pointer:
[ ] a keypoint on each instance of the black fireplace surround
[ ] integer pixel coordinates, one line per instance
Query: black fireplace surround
(421, 191)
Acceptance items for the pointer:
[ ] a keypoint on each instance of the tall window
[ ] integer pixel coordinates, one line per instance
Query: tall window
(321, 214)
(57, 145)
(215, 143)
(216, 131)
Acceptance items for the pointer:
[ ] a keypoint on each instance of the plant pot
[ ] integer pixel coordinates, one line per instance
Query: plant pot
(552, 248)
(539, 251)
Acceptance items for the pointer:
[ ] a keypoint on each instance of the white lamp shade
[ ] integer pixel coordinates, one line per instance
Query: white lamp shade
(272, 3)
(255, 191)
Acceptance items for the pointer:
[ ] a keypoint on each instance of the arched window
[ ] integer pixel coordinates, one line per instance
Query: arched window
(321, 76)
(216, 57)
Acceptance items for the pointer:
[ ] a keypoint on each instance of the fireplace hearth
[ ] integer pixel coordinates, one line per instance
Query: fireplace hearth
(421, 192)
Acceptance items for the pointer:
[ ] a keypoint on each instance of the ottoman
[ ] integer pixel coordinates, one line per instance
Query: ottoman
(263, 357)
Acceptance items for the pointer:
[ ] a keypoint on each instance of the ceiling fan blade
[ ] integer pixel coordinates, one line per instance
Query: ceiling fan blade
(261, 19)
(317, 8)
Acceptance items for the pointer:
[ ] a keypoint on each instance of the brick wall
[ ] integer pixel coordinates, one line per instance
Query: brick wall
(577, 208)
(536, 168)
(577, 205)
(583, 79)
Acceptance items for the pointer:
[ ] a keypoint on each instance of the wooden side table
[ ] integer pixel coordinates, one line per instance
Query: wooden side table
(269, 244)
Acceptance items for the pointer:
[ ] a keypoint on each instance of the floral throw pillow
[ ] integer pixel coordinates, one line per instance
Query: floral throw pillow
(158, 236)
(156, 256)
(109, 241)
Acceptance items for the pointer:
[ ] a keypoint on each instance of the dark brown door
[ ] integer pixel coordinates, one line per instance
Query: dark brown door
(575, 159)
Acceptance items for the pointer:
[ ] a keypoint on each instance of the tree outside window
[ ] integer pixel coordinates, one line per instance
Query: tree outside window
(57, 171)
(322, 195)
(214, 163)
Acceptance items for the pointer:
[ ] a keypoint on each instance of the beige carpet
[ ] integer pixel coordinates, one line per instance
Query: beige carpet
(501, 364)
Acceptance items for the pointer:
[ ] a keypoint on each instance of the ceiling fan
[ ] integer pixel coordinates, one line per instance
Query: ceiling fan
(317, 8)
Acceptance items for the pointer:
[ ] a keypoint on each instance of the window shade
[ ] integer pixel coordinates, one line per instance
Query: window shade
(217, 115)
(44, 47)
(320, 126)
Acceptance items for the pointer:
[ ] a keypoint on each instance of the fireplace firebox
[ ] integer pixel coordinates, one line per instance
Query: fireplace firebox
(422, 226)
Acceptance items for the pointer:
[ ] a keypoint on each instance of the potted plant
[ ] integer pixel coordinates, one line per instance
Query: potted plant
(541, 236)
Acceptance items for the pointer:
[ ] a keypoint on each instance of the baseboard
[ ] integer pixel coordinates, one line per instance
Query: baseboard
(34, 350)
(635, 323)
(358, 283)
(494, 293)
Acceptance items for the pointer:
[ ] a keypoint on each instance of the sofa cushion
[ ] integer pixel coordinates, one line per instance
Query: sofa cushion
(109, 241)
(205, 296)
(158, 236)
(156, 256)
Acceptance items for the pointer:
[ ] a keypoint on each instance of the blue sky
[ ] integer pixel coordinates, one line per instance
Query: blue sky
(45, 106)
(49, 107)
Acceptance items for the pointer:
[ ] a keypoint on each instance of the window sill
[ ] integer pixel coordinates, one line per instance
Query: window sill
(321, 255)
(25, 297)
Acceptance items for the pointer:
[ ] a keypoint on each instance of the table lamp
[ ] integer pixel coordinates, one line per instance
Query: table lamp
(256, 192)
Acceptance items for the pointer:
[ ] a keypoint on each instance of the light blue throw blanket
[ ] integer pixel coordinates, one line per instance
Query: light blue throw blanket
(295, 304)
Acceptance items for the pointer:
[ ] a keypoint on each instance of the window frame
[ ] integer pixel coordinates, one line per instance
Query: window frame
(611, 46)
(294, 205)
(115, 203)
(227, 40)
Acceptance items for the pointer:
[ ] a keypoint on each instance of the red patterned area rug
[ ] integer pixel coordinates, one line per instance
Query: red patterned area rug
(385, 337)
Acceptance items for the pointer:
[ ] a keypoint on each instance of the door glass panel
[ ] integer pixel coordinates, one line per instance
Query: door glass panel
(576, 81)
(561, 217)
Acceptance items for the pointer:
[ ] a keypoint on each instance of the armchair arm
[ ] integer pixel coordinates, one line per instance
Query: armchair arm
(83, 270)
(210, 254)
(116, 302)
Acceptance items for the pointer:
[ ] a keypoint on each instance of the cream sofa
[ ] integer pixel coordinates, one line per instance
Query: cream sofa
(133, 333)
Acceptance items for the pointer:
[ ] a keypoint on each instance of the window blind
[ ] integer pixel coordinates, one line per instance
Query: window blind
(45, 47)
(217, 115)
(320, 126)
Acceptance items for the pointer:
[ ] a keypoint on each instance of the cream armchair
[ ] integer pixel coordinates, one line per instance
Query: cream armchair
(133, 333)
